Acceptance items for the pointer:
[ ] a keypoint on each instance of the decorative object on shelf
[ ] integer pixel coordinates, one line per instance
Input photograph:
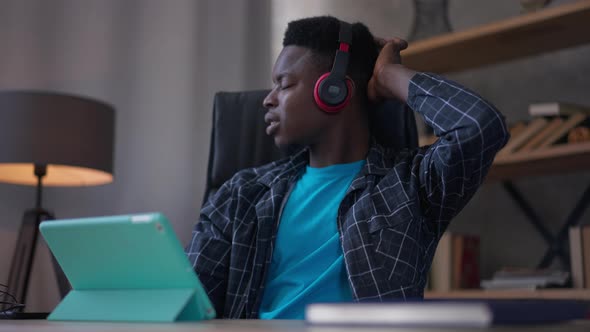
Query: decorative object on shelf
(50, 139)
(533, 5)
(579, 135)
(430, 19)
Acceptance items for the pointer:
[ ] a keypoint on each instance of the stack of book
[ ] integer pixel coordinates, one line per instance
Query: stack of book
(580, 255)
(456, 263)
(551, 123)
(531, 279)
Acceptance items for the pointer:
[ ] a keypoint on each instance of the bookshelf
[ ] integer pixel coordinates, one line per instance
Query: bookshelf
(555, 159)
(518, 37)
(525, 35)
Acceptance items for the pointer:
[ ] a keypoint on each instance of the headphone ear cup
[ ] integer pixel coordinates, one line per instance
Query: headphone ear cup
(328, 93)
(351, 87)
(316, 92)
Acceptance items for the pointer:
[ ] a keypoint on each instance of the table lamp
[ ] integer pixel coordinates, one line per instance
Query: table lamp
(50, 139)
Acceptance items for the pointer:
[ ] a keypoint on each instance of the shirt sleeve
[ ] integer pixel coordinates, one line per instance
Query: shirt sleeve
(470, 132)
(210, 247)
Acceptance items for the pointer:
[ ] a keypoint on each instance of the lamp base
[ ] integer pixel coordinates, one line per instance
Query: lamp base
(22, 263)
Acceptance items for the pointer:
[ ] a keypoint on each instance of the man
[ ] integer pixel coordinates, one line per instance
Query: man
(344, 219)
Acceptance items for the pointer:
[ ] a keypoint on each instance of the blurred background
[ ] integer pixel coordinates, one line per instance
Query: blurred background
(159, 63)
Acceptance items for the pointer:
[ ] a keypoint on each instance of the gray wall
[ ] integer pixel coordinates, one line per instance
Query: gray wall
(159, 62)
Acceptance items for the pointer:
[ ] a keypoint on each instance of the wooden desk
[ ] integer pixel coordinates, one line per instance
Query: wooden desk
(248, 325)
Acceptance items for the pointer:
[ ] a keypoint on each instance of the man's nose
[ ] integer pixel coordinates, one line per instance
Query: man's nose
(270, 100)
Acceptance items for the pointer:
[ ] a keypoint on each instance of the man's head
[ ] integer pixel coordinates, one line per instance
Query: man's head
(320, 35)
(309, 48)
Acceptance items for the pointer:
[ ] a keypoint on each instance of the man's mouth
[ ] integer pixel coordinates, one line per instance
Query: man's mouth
(272, 128)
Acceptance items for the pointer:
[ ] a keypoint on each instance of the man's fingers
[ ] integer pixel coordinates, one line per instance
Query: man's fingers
(400, 43)
(380, 41)
(389, 49)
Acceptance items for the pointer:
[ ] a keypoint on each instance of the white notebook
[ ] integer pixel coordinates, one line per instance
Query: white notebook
(446, 313)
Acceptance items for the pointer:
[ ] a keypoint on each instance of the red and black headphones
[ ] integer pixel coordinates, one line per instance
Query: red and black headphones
(333, 89)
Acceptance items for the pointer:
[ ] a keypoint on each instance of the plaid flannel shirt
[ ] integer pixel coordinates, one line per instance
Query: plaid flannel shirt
(390, 219)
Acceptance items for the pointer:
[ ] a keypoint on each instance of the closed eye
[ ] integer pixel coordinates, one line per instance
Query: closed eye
(285, 86)
(284, 81)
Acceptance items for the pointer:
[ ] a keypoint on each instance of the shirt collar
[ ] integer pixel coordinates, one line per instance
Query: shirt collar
(376, 164)
(286, 169)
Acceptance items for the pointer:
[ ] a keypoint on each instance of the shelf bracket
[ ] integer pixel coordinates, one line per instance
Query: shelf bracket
(556, 243)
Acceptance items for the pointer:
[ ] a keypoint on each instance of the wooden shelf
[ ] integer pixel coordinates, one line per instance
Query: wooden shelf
(529, 34)
(556, 159)
(572, 294)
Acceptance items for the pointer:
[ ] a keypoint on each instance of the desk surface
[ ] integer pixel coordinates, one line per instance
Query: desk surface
(245, 325)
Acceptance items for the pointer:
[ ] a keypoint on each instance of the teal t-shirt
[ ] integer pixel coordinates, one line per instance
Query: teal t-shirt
(307, 264)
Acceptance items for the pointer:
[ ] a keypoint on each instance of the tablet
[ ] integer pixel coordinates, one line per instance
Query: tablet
(132, 264)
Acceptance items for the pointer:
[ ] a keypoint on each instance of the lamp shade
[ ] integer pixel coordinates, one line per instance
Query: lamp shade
(72, 136)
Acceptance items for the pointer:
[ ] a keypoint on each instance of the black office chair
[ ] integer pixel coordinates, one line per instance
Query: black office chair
(239, 140)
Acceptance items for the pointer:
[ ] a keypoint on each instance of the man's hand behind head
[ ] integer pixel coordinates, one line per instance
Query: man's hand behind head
(389, 55)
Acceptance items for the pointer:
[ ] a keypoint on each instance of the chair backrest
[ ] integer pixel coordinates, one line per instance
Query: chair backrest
(239, 140)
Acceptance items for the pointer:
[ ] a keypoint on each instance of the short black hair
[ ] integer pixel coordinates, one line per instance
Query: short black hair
(320, 34)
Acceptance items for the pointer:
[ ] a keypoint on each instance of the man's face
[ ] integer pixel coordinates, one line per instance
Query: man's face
(293, 116)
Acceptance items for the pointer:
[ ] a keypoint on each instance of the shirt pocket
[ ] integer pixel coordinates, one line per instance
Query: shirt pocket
(399, 250)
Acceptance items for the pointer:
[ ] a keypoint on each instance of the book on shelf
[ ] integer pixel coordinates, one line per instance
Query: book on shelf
(537, 139)
(517, 128)
(529, 279)
(520, 139)
(579, 237)
(548, 128)
(557, 109)
(456, 263)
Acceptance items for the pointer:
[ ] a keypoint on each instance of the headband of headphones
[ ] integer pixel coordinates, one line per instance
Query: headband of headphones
(342, 55)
